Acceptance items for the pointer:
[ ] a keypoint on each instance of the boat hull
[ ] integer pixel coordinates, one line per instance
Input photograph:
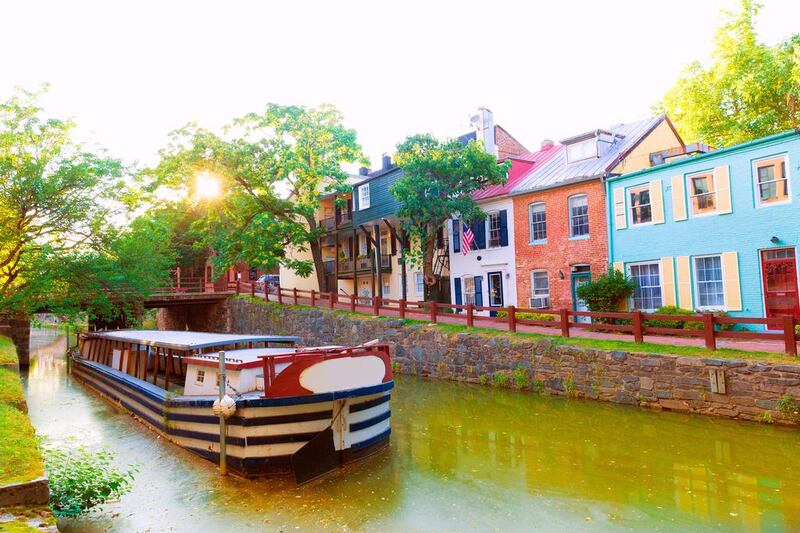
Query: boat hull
(264, 433)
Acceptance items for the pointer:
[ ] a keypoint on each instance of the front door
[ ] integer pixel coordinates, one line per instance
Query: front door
(495, 290)
(580, 275)
(779, 270)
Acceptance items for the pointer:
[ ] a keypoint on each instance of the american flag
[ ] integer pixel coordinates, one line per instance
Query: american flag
(467, 238)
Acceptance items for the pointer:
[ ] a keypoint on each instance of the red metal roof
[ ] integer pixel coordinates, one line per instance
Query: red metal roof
(521, 166)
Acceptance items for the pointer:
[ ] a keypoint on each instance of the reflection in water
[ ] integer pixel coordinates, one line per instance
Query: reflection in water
(461, 457)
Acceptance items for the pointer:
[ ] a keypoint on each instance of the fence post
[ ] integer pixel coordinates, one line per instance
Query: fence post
(789, 335)
(638, 334)
(512, 318)
(280, 294)
(294, 291)
(433, 312)
(563, 316)
(708, 330)
(313, 297)
(353, 303)
(331, 299)
(376, 305)
(238, 286)
(470, 315)
(402, 309)
(253, 289)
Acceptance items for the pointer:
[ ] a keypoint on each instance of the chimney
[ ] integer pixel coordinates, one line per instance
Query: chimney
(547, 144)
(484, 129)
(363, 171)
(387, 162)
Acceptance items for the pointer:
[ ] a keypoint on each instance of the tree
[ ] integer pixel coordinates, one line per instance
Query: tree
(607, 292)
(273, 167)
(749, 90)
(438, 180)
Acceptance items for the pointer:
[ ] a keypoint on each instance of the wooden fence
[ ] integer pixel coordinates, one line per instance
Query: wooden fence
(638, 324)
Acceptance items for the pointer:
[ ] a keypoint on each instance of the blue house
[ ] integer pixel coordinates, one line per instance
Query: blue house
(715, 231)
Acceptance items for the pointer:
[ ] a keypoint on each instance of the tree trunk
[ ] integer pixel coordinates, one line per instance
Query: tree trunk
(316, 256)
(431, 281)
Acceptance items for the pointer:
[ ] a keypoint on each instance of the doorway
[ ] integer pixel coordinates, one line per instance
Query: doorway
(779, 272)
(495, 290)
(580, 275)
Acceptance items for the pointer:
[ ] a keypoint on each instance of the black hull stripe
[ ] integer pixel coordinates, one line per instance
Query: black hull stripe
(373, 440)
(371, 403)
(251, 422)
(364, 424)
(210, 437)
(148, 417)
(281, 439)
(123, 388)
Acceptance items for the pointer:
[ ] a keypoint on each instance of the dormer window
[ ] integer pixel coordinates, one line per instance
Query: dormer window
(581, 150)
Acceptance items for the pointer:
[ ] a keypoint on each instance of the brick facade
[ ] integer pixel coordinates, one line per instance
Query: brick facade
(507, 145)
(560, 253)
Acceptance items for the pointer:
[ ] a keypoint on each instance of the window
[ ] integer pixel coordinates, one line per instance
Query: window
(537, 218)
(582, 150)
(640, 205)
(419, 283)
(469, 290)
(540, 289)
(201, 377)
(579, 216)
(385, 243)
(772, 183)
(493, 221)
(708, 281)
(362, 245)
(387, 288)
(704, 196)
(495, 289)
(363, 197)
(647, 296)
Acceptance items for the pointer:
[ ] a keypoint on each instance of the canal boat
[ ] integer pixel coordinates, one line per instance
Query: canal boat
(290, 408)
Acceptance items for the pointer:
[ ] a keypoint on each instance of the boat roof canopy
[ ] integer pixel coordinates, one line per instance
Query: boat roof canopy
(186, 340)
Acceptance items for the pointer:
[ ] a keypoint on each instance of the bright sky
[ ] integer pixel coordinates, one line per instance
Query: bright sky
(130, 72)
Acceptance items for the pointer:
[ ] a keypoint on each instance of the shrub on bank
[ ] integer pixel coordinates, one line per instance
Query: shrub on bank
(528, 316)
(20, 460)
(680, 324)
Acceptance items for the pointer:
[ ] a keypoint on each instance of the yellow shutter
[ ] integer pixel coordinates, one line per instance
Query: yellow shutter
(722, 185)
(678, 198)
(730, 273)
(668, 281)
(684, 282)
(620, 221)
(619, 266)
(657, 202)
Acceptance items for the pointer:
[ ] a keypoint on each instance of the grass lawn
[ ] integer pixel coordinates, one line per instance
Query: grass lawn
(8, 354)
(20, 459)
(11, 392)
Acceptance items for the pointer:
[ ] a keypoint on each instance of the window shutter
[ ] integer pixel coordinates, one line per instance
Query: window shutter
(684, 282)
(730, 277)
(478, 291)
(457, 290)
(668, 281)
(657, 202)
(479, 229)
(457, 237)
(722, 184)
(620, 220)
(678, 198)
(503, 228)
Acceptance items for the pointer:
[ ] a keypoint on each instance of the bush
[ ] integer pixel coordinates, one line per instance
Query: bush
(500, 379)
(81, 480)
(607, 292)
(673, 324)
(521, 379)
(528, 316)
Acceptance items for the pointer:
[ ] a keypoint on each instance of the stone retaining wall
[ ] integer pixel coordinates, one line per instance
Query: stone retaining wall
(753, 390)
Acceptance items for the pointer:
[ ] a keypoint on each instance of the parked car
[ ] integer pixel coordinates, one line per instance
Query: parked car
(272, 282)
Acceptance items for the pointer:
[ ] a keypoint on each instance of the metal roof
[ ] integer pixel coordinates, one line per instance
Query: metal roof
(185, 340)
(556, 171)
(521, 167)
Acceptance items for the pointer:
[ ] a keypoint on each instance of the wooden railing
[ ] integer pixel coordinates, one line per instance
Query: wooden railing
(706, 326)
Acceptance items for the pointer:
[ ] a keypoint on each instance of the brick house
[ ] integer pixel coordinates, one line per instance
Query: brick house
(560, 209)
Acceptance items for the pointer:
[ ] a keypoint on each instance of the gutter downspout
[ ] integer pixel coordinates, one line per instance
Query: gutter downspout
(609, 218)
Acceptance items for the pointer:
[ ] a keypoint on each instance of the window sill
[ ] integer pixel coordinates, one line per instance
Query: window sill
(580, 238)
(760, 205)
(538, 243)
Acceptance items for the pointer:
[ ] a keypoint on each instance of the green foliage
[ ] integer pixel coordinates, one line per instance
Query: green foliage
(521, 377)
(788, 407)
(483, 379)
(671, 324)
(607, 292)
(438, 180)
(538, 386)
(766, 417)
(273, 167)
(8, 353)
(569, 386)
(81, 479)
(20, 459)
(749, 90)
(500, 379)
(528, 316)
(11, 392)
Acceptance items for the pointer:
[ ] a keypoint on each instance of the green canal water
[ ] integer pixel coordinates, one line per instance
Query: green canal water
(462, 457)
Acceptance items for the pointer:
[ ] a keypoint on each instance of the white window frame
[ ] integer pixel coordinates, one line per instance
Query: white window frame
(571, 199)
(386, 290)
(363, 197)
(690, 190)
(468, 282)
(756, 185)
(533, 288)
(584, 155)
(696, 286)
(635, 190)
(531, 232)
(493, 215)
(632, 300)
(419, 281)
(200, 377)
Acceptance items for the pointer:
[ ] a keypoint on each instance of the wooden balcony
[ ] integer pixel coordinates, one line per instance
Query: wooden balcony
(363, 265)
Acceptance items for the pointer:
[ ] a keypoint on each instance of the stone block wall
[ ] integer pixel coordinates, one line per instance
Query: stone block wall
(754, 390)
